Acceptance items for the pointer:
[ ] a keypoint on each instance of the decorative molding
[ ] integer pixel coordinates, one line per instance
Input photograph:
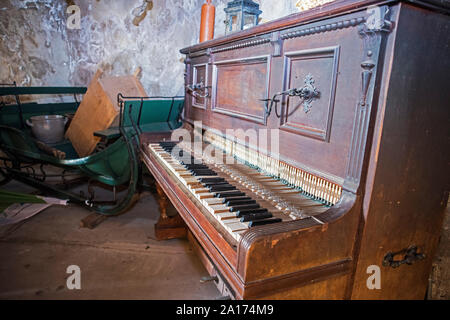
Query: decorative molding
(372, 32)
(277, 44)
(277, 37)
(366, 76)
(323, 28)
(204, 82)
(245, 44)
(209, 55)
(197, 54)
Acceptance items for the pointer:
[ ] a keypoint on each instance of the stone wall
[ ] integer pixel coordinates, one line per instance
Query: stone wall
(37, 48)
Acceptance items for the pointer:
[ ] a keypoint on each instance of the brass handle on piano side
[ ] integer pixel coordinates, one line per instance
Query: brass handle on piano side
(308, 93)
(410, 256)
(194, 88)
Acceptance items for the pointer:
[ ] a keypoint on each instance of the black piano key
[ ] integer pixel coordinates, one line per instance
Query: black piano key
(203, 173)
(238, 202)
(229, 194)
(255, 223)
(241, 213)
(168, 143)
(256, 216)
(210, 180)
(212, 174)
(226, 199)
(199, 170)
(219, 183)
(244, 207)
(222, 188)
(187, 161)
(196, 166)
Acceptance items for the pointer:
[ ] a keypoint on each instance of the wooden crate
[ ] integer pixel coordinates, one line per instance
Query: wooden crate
(99, 110)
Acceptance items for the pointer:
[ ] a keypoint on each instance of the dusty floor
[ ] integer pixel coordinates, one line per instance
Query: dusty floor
(118, 259)
(439, 288)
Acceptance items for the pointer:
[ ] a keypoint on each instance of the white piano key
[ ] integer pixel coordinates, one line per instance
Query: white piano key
(218, 208)
(225, 216)
(212, 201)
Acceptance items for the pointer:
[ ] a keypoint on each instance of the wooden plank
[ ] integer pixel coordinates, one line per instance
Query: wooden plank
(196, 247)
(99, 110)
(92, 220)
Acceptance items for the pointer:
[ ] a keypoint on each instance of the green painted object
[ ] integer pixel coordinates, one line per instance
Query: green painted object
(10, 116)
(157, 115)
(8, 198)
(12, 90)
(115, 165)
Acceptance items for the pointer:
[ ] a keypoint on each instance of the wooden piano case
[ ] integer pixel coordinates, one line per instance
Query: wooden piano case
(377, 126)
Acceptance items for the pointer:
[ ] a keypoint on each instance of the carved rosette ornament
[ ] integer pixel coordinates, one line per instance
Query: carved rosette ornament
(309, 93)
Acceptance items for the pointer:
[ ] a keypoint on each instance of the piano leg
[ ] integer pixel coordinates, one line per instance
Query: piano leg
(168, 227)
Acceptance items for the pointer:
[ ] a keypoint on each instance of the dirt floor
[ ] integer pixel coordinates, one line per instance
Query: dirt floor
(440, 275)
(120, 259)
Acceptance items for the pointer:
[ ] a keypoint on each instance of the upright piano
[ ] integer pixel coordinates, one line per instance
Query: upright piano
(314, 157)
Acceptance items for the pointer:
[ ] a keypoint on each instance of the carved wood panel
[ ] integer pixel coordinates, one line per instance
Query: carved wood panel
(312, 68)
(238, 87)
(200, 76)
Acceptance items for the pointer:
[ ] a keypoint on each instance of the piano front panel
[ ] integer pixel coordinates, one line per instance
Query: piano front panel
(333, 59)
(241, 77)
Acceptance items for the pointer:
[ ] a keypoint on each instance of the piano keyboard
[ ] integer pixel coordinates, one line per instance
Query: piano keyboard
(313, 186)
(237, 196)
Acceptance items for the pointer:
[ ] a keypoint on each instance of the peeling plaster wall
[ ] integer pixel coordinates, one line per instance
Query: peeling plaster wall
(38, 49)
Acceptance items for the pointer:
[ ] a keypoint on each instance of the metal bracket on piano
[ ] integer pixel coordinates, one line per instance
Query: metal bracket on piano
(308, 93)
(410, 256)
(194, 88)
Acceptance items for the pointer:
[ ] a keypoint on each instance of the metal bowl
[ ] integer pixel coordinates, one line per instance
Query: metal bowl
(48, 128)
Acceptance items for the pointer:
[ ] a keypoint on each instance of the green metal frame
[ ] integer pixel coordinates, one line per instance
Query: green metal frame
(116, 165)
